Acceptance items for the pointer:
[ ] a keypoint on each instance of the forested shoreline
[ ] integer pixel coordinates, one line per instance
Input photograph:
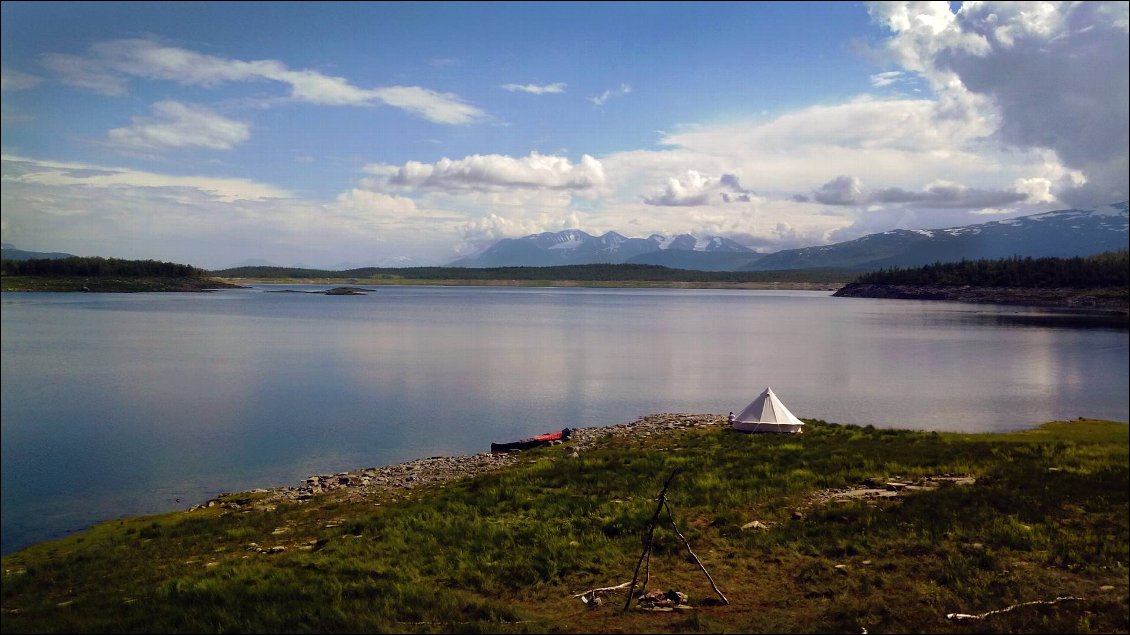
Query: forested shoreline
(99, 267)
(579, 273)
(1097, 282)
(1108, 269)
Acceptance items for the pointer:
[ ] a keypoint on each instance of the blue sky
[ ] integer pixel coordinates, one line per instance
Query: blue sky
(353, 134)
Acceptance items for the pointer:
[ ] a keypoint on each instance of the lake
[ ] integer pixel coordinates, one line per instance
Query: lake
(125, 404)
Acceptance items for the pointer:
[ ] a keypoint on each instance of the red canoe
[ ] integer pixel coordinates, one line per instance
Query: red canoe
(532, 442)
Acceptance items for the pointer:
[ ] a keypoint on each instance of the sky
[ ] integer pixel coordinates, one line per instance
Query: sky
(340, 135)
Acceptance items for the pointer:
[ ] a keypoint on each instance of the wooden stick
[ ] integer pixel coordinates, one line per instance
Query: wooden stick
(965, 617)
(690, 551)
(604, 589)
(648, 537)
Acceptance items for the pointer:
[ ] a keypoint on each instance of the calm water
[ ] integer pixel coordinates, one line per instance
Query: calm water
(121, 404)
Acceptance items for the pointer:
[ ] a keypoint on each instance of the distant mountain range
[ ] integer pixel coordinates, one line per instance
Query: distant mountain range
(1061, 233)
(575, 247)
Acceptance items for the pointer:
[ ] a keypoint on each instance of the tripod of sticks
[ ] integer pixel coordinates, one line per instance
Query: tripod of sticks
(645, 557)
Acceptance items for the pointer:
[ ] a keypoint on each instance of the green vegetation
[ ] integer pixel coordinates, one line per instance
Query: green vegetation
(1108, 269)
(98, 267)
(103, 274)
(603, 273)
(504, 552)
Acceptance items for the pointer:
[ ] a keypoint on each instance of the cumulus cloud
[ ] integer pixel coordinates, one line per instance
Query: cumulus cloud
(110, 63)
(15, 80)
(842, 190)
(486, 231)
(535, 89)
(177, 125)
(367, 199)
(693, 189)
(848, 190)
(1055, 74)
(483, 232)
(491, 172)
(600, 100)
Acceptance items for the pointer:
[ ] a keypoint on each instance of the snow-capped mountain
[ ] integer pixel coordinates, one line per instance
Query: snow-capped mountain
(575, 247)
(1062, 233)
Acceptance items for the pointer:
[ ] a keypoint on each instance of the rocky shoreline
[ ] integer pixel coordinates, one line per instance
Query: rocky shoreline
(439, 470)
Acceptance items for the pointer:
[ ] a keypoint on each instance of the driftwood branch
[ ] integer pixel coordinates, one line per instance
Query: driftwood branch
(603, 589)
(965, 617)
(690, 551)
(648, 538)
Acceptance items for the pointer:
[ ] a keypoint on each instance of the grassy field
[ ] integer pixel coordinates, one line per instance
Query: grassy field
(1046, 518)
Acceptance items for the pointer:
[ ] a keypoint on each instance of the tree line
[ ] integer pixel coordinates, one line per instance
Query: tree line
(581, 273)
(1108, 269)
(95, 267)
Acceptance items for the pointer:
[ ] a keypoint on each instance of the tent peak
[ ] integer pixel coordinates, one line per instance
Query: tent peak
(767, 414)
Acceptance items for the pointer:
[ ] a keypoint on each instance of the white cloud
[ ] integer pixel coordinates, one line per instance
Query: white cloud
(492, 172)
(900, 141)
(386, 205)
(864, 123)
(22, 170)
(14, 80)
(85, 74)
(177, 126)
(600, 100)
(483, 232)
(888, 78)
(1053, 73)
(535, 89)
(111, 62)
(848, 190)
(693, 188)
(438, 107)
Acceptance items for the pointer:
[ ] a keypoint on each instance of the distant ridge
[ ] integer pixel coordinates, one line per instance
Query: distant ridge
(1061, 233)
(11, 253)
(575, 247)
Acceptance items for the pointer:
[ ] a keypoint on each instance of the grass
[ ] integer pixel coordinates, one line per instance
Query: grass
(504, 552)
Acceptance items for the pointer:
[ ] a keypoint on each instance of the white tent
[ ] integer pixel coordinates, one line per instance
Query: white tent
(767, 414)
